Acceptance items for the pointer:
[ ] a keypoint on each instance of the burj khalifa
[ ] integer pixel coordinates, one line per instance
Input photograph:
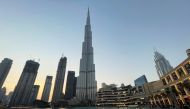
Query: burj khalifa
(86, 83)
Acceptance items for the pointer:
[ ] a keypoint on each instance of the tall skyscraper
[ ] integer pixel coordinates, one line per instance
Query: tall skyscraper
(59, 80)
(5, 66)
(70, 91)
(47, 89)
(162, 64)
(33, 94)
(86, 83)
(25, 84)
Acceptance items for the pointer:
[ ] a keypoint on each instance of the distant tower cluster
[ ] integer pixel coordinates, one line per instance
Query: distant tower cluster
(162, 64)
(47, 89)
(70, 91)
(86, 82)
(84, 87)
(25, 84)
(59, 80)
(5, 66)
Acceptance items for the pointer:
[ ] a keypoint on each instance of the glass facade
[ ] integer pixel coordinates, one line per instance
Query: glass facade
(140, 81)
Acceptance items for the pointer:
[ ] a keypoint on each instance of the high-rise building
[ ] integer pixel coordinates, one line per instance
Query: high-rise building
(5, 66)
(25, 84)
(59, 80)
(47, 89)
(86, 82)
(141, 80)
(70, 91)
(33, 94)
(162, 64)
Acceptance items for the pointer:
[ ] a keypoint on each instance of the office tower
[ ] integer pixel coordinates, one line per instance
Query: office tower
(70, 91)
(25, 84)
(59, 80)
(86, 83)
(5, 66)
(162, 64)
(47, 89)
(33, 94)
(141, 80)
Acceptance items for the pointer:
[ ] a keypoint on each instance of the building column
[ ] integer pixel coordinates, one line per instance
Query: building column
(177, 75)
(171, 78)
(184, 70)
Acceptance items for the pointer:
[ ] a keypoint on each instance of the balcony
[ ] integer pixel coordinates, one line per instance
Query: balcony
(174, 76)
(181, 88)
(168, 79)
(181, 72)
(186, 84)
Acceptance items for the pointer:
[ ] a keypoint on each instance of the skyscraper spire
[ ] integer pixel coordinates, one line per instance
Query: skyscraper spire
(88, 17)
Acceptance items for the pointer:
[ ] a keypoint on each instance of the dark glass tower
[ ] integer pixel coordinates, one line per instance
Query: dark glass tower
(70, 86)
(47, 89)
(33, 94)
(25, 84)
(59, 80)
(5, 66)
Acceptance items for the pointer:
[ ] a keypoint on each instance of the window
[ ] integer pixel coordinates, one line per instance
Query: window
(164, 81)
(181, 89)
(174, 76)
(187, 67)
(181, 72)
(186, 84)
(168, 79)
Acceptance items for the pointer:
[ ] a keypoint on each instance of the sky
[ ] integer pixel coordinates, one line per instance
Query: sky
(125, 33)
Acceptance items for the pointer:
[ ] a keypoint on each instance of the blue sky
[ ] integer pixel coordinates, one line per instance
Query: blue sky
(124, 35)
